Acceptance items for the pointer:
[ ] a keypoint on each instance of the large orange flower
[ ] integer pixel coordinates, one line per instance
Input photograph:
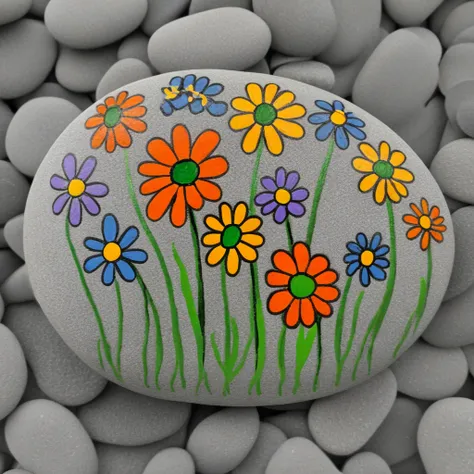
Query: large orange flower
(307, 286)
(181, 173)
(115, 119)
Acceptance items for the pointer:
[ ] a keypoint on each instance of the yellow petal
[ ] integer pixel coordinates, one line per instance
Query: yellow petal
(369, 152)
(363, 165)
(211, 239)
(402, 174)
(368, 182)
(214, 223)
(380, 192)
(248, 253)
(289, 129)
(251, 224)
(271, 91)
(240, 213)
(216, 255)
(251, 139)
(292, 112)
(273, 140)
(384, 151)
(239, 122)
(226, 214)
(284, 99)
(401, 188)
(243, 105)
(397, 158)
(233, 262)
(255, 93)
(255, 240)
(392, 192)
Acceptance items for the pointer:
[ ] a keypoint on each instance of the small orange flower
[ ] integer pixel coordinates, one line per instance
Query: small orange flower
(181, 173)
(427, 223)
(115, 118)
(307, 286)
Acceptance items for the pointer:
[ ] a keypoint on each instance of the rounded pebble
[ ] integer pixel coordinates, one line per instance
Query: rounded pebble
(293, 423)
(170, 461)
(466, 36)
(409, 12)
(58, 371)
(45, 119)
(451, 133)
(47, 438)
(366, 463)
(335, 423)
(439, 16)
(13, 232)
(134, 46)
(161, 12)
(455, 97)
(278, 59)
(458, 20)
(198, 6)
(261, 67)
(453, 204)
(209, 442)
(469, 353)
(465, 118)
(456, 66)
(310, 72)
(32, 391)
(413, 465)
(12, 10)
(430, 373)
(430, 40)
(38, 7)
(9, 262)
(17, 471)
(6, 116)
(30, 52)
(17, 287)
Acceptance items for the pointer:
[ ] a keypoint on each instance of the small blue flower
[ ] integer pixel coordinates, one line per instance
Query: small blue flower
(367, 257)
(196, 93)
(115, 253)
(336, 119)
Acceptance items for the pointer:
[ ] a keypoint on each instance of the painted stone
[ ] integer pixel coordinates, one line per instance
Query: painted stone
(235, 239)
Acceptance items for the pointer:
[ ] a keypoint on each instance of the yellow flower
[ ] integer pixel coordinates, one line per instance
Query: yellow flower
(269, 113)
(233, 237)
(383, 172)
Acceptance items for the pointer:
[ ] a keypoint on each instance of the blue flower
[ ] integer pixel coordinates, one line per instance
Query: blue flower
(196, 93)
(336, 119)
(115, 253)
(367, 257)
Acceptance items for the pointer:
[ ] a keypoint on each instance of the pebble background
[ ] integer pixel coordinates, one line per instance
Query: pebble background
(408, 62)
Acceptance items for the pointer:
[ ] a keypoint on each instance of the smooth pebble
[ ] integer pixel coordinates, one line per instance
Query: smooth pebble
(9, 263)
(467, 390)
(200, 413)
(13, 232)
(261, 67)
(134, 46)
(12, 10)
(197, 6)
(161, 12)
(313, 73)
(278, 59)
(366, 463)
(17, 287)
(465, 118)
(410, 12)
(458, 20)
(2, 307)
(466, 36)
(455, 97)
(437, 19)
(456, 66)
(433, 44)
(171, 461)
(32, 391)
(469, 353)
(453, 204)
(6, 116)
(38, 7)
(451, 133)
(293, 423)
(412, 465)
(17, 471)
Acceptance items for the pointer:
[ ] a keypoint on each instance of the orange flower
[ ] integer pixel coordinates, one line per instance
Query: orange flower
(427, 223)
(116, 117)
(307, 286)
(181, 173)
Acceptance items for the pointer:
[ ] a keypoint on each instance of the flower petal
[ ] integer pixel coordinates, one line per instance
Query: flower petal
(355, 132)
(243, 105)
(380, 191)
(90, 204)
(193, 198)
(201, 84)
(217, 109)
(425, 240)
(284, 98)
(292, 112)
(132, 101)
(98, 137)
(110, 143)
(248, 253)
(215, 256)
(276, 279)
(91, 264)
(160, 151)
(155, 185)
(438, 236)
(255, 240)
(281, 214)
(128, 237)
(342, 140)
(288, 128)
(270, 92)
(94, 244)
(208, 190)
(364, 277)
(377, 273)
(323, 132)
(108, 275)
(293, 314)
(320, 117)
(136, 112)
(292, 179)
(213, 223)
(414, 232)
(252, 139)
(273, 140)
(353, 267)
(296, 209)
(369, 152)
(241, 121)
(375, 242)
(269, 183)
(213, 167)
(301, 256)
(323, 308)
(94, 121)
(69, 166)
(135, 255)
(327, 293)
(381, 262)
(322, 104)
(160, 203)
(317, 265)
(232, 262)
(279, 301)
(362, 240)
(264, 198)
(125, 270)
(402, 174)
(181, 142)
(382, 250)
(284, 262)
(110, 228)
(87, 168)
(178, 210)
(211, 239)
(255, 93)
(328, 277)
(251, 225)
(205, 145)
(60, 202)
(149, 168)
(397, 158)
(354, 121)
(392, 192)
(75, 212)
(214, 89)
(362, 165)
(307, 314)
(384, 151)
(58, 183)
(240, 213)
(269, 208)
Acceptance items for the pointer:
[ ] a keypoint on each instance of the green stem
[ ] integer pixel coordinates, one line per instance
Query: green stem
(425, 290)
(120, 325)
(225, 300)
(406, 331)
(362, 348)
(99, 351)
(289, 234)
(320, 355)
(304, 344)
(254, 184)
(340, 328)
(146, 336)
(281, 359)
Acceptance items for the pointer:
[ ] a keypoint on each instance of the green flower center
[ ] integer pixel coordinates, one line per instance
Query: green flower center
(383, 169)
(302, 286)
(231, 236)
(112, 252)
(112, 116)
(265, 114)
(367, 258)
(185, 172)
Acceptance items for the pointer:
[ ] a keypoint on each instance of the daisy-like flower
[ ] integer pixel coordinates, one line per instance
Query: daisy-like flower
(114, 252)
(367, 258)
(181, 174)
(335, 120)
(233, 237)
(306, 286)
(196, 93)
(280, 196)
(383, 172)
(426, 223)
(77, 190)
(115, 118)
(268, 113)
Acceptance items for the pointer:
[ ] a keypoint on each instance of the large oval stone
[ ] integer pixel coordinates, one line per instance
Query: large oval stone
(235, 238)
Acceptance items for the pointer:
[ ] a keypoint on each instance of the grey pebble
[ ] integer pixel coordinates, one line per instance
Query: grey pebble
(47, 438)
(30, 52)
(469, 353)
(305, 406)
(409, 12)
(171, 461)
(430, 373)
(38, 7)
(32, 391)
(3, 242)
(134, 46)
(5, 462)
(451, 133)
(17, 287)
(453, 204)
(209, 442)
(467, 390)
(300, 456)
(203, 5)
(119, 416)
(398, 78)
(45, 118)
(3, 441)
(81, 71)
(335, 421)
(437, 19)
(300, 27)
(466, 36)
(58, 371)
(90, 24)
(366, 463)
(431, 41)
(278, 59)
(261, 67)
(387, 24)
(6, 116)
(17, 471)
(458, 20)
(121, 73)
(465, 118)
(293, 423)
(200, 413)
(2, 307)
(310, 72)
(161, 12)
(456, 66)
(446, 437)
(225, 38)
(9, 263)
(12, 10)
(455, 97)
(413, 465)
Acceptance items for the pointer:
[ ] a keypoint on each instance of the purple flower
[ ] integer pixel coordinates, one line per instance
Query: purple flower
(281, 196)
(77, 190)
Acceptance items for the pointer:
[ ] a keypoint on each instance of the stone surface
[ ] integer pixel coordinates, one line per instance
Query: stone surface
(458, 20)
(13, 232)
(9, 262)
(366, 463)
(410, 13)
(197, 6)
(465, 118)
(12, 10)
(144, 330)
(455, 97)
(438, 18)
(17, 287)
(451, 133)
(6, 116)
(38, 7)
(293, 423)
(413, 465)
(466, 36)
(134, 46)
(430, 40)
(456, 66)
(171, 460)
(160, 12)
(313, 73)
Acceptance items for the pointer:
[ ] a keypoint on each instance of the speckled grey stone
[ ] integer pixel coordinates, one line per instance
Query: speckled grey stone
(458, 20)
(197, 6)
(13, 232)
(278, 59)
(161, 12)
(430, 373)
(293, 423)
(6, 116)
(171, 460)
(430, 40)
(200, 413)
(409, 12)
(465, 118)
(12, 10)
(456, 66)
(366, 463)
(453, 204)
(466, 36)
(261, 67)
(9, 262)
(313, 73)
(451, 133)
(17, 287)
(455, 97)
(438, 18)
(134, 46)
(30, 52)
(413, 465)
(32, 391)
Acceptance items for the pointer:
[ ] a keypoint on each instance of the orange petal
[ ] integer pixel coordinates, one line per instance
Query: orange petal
(323, 308)
(205, 145)
(424, 207)
(136, 125)
(318, 264)
(410, 219)
(438, 221)
(139, 111)
(284, 262)
(101, 109)
(160, 150)
(415, 209)
(208, 190)
(327, 293)
(154, 185)
(161, 202)
(425, 240)
(434, 214)
(110, 141)
(149, 168)
(293, 315)
(307, 313)
(438, 236)
(414, 232)
(178, 211)
(98, 137)
(439, 228)
(110, 102)
(122, 136)
(279, 301)
(213, 167)
(94, 121)
(276, 279)
(181, 142)
(132, 101)
(380, 191)
(301, 256)
(121, 97)
(327, 278)
(193, 198)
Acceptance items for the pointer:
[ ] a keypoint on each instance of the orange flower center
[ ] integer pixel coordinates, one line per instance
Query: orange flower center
(425, 222)
(185, 172)
(302, 286)
(338, 117)
(76, 187)
(112, 116)
(367, 258)
(282, 196)
(112, 252)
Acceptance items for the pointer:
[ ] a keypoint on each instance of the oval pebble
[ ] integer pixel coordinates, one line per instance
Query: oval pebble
(398, 78)
(451, 133)
(299, 28)
(161, 12)
(38, 7)
(13, 192)
(313, 73)
(200, 413)
(453, 204)
(134, 46)
(278, 59)
(412, 465)
(335, 423)
(58, 371)
(17, 471)
(293, 423)
(9, 263)
(455, 97)
(430, 40)
(410, 13)
(366, 463)
(45, 119)
(17, 287)
(261, 67)
(190, 42)
(209, 442)
(465, 118)
(466, 36)
(437, 19)
(12, 10)
(458, 20)
(45, 427)
(30, 52)
(430, 373)
(456, 66)
(469, 353)
(13, 232)
(2, 307)
(6, 116)
(169, 461)
(197, 6)
(32, 391)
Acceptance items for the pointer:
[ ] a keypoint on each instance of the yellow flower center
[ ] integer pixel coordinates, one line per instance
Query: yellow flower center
(112, 252)
(367, 258)
(338, 117)
(282, 196)
(76, 187)
(425, 222)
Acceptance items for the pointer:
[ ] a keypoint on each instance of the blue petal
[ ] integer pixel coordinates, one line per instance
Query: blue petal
(382, 262)
(380, 252)
(201, 84)
(135, 255)
(375, 242)
(377, 273)
(94, 244)
(322, 104)
(362, 240)
(166, 108)
(110, 228)
(217, 109)
(342, 140)
(320, 117)
(189, 80)
(128, 237)
(125, 270)
(354, 248)
(176, 82)
(354, 121)
(93, 263)
(213, 89)
(364, 277)
(351, 258)
(352, 268)
(196, 106)
(355, 132)
(338, 105)
(108, 275)
(180, 102)
(323, 132)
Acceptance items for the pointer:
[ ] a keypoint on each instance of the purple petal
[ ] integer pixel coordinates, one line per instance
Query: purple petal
(299, 194)
(75, 212)
(280, 177)
(87, 168)
(90, 204)
(296, 209)
(60, 202)
(292, 180)
(264, 198)
(69, 166)
(269, 183)
(280, 214)
(97, 189)
(58, 183)
(269, 208)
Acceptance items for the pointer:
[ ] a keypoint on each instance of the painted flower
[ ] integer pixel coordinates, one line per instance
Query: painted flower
(196, 93)
(335, 120)
(233, 237)
(181, 174)
(426, 223)
(113, 252)
(115, 119)
(267, 113)
(280, 196)
(306, 286)
(367, 258)
(77, 190)
(383, 172)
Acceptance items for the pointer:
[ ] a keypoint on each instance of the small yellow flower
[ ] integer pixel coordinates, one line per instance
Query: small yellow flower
(383, 172)
(267, 113)
(233, 237)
